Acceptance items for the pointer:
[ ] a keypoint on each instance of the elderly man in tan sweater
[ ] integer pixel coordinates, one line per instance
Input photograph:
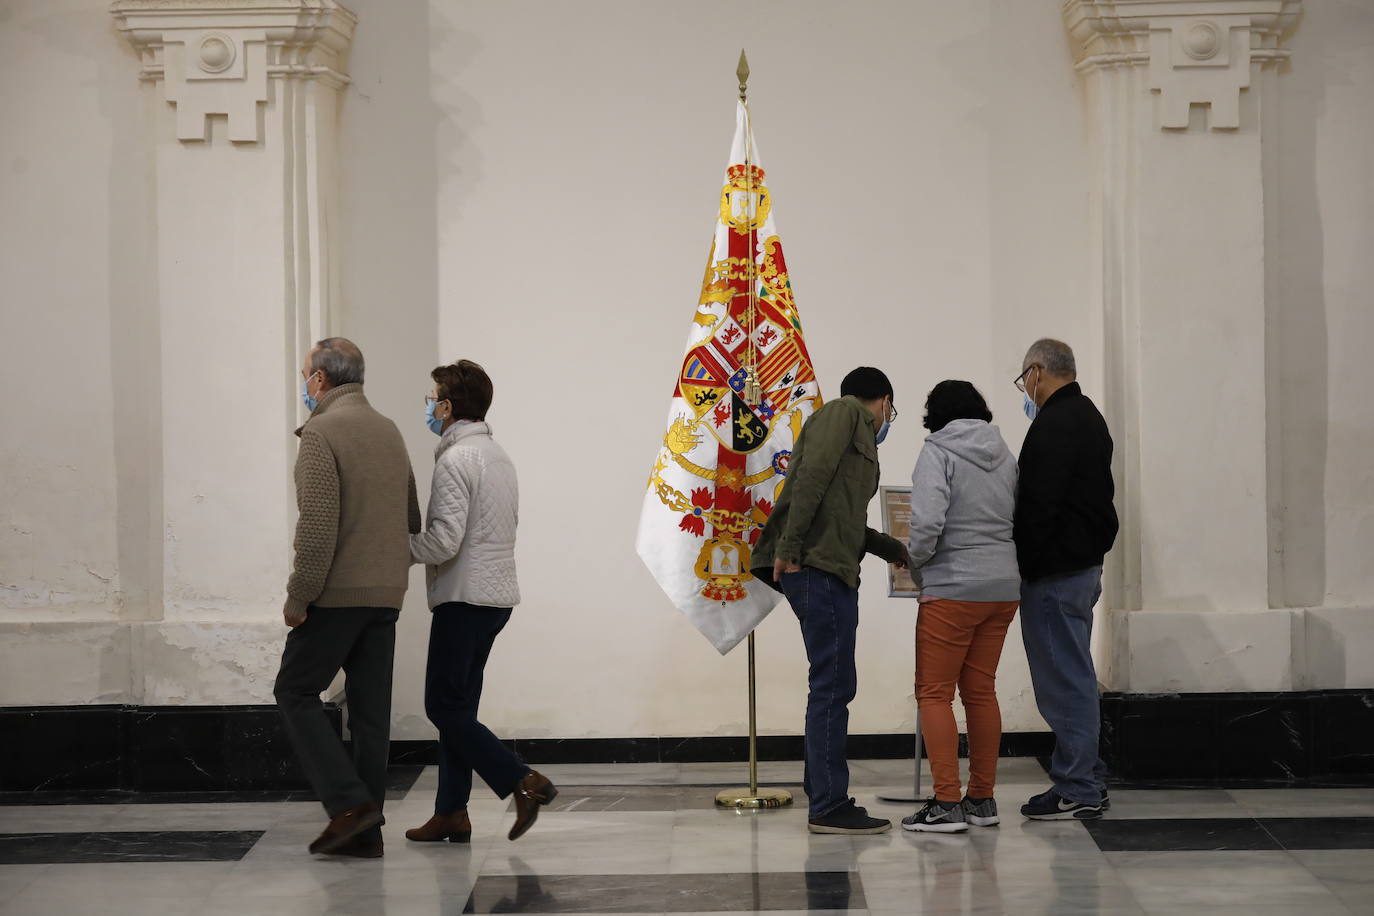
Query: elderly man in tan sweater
(356, 496)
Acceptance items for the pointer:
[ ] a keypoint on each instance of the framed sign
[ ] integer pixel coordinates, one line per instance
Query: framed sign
(897, 522)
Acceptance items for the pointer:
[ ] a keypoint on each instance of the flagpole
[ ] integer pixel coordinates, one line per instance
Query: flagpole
(751, 797)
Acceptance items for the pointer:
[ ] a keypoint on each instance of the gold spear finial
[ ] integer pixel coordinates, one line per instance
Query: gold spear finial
(742, 71)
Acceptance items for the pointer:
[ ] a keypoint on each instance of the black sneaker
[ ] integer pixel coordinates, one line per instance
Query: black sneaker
(981, 812)
(937, 817)
(849, 818)
(1051, 806)
(1106, 801)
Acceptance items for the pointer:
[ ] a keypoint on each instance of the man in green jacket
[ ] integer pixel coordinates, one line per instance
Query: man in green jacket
(811, 548)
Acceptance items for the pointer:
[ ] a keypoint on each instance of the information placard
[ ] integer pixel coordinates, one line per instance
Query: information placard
(897, 522)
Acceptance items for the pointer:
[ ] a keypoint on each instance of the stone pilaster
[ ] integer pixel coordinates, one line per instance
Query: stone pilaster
(245, 97)
(1180, 103)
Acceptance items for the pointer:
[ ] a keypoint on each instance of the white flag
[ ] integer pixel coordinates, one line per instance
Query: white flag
(744, 389)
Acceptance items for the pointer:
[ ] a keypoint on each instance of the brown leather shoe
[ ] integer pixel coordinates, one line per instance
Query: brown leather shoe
(530, 793)
(366, 845)
(455, 827)
(345, 826)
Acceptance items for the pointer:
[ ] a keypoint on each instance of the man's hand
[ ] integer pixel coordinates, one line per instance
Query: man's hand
(781, 566)
(293, 617)
(903, 562)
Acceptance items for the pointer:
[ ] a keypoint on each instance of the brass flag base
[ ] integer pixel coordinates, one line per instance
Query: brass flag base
(753, 798)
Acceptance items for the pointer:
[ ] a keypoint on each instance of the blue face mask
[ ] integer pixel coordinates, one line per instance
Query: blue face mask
(882, 431)
(435, 425)
(1030, 407)
(310, 402)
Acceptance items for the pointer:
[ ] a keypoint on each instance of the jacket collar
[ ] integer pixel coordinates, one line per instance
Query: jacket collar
(334, 396)
(460, 431)
(1063, 394)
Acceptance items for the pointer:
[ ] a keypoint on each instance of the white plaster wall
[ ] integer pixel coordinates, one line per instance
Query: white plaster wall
(548, 180)
(1325, 273)
(531, 184)
(59, 493)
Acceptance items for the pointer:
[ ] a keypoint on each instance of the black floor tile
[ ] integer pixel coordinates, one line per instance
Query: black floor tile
(399, 781)
(583, 799)
(37, 848)
(1183, 834)
(1322, 832)
(127, 846)
(740, 892)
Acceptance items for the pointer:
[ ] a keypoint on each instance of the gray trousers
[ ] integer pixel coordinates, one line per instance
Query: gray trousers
(361, 641)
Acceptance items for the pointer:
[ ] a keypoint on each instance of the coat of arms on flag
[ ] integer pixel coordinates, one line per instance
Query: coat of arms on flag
(744, 389)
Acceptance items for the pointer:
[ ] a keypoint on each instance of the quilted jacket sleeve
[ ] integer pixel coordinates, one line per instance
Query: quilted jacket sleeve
(413, 505)
(317, 527)
(449, 501)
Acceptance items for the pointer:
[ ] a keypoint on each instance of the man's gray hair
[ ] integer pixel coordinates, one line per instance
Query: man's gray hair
(1054, 356)
(339, 359)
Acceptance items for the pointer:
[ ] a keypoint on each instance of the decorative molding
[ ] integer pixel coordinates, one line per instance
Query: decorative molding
(215, 57)
(1196, 51)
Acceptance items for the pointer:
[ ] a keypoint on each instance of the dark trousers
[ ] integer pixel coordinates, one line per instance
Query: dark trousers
(1057, 627)
(361, 641)
(828, 611)
(460, 641)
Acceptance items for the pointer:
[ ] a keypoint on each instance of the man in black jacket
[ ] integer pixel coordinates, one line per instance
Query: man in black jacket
(1065, 524)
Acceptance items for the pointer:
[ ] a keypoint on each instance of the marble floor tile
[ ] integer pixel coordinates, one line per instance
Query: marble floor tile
(56, 818)
(14, 878)
(1233, 858)
(84, 888)
(1324, 908)
(637, 825)
(606, 774)
(219, 816)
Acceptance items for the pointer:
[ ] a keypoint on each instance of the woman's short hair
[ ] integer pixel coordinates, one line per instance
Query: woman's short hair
(954, 400)
(467, 388)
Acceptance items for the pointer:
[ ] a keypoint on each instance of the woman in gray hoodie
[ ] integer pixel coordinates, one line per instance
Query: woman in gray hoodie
(963, 493)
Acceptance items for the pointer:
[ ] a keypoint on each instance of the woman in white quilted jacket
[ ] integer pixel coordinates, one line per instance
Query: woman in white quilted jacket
(468, 548)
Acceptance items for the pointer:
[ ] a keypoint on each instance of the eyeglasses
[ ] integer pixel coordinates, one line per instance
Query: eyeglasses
(1020, 380)
(891, 412)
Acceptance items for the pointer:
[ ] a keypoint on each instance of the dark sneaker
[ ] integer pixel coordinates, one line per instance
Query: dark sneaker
(937, 817)
(1106, 801)
(981, 812)
(1051, 806)
(849, 818)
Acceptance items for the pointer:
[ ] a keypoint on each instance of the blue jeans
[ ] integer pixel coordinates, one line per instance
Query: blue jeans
(828, 611)
(460, 640)
(1056, 626)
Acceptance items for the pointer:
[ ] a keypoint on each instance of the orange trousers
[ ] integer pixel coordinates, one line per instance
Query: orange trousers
(959, 643)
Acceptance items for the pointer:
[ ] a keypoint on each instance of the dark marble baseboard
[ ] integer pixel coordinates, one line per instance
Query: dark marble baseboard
(148, 749)
(1240, 739)
(1237, 739)
(710, 749)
